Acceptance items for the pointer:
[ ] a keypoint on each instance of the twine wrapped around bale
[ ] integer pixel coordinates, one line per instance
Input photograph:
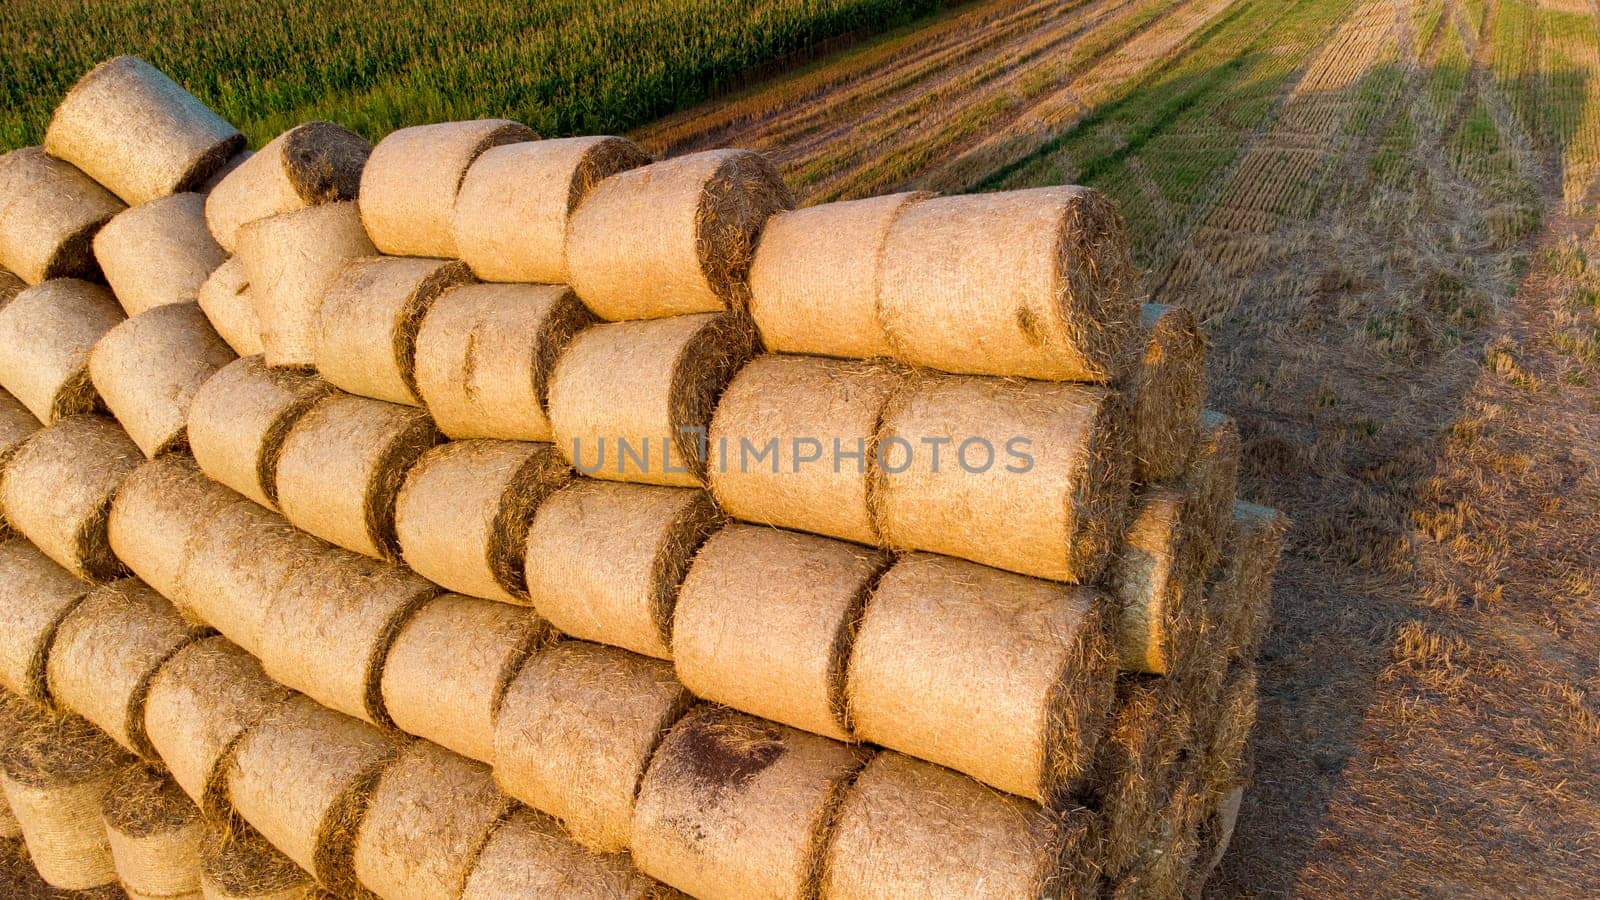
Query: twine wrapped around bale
(155, 834)
(1167, 389)
(1241, 598)
(157, 514)
(1005, 678)
(134, 130)
(673, 237)
(239, 418)
(792, 439)
(632, 401)
(510, 220)
(529, 855)
(910, 829)
(1135, 765)
(462, 516)
(57, 489)
(318, 162)
(1049, 460)
(1156, 580)
(766, 620)
(148, 368)
(35, 595)
(449, 667)
(237, 863)
(1169, 851)
(367, 326)
(1035, 283)
(46, 333)
(158, 252)
(814, 281)
(49, 214)
(484, 355)
(604, 560)
(412, 178)
(226, 300)
(575, 731)
(734, 807)
(1212, 481)
(290, 260)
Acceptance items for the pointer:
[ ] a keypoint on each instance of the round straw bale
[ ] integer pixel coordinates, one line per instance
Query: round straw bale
(226, 300)
(1170, 849)
(1234, 718)
(239, 418)
(1216, 833)
(290, 260)
(57, 491)
(429, 815)
(341, 467)
(575, 731)
(16, 718)
(302, 777)
(155, 833)
(1036, 283)
(157, 513)
(409, 187)
(329, 627)
(1048, 460)
(1156, 580)
(367, 328)
(158, 252)
(529, 855)
(814, 281)
(765, 622)
(510, 219)
(237, 863)
(148, 368)
(605, 560)
(134, 130)
(223, 171)
(449, 666)
(16, 424)
(484, 355)
(199, 704)
(1240, 600)
(910, 829)
(46, 333)
(791, 440)
(35, 595)
(49, 213)
(1131, 776)
(318, 162)
(648, 390)
(1167, 389)
(462, 516)
(1212, 481)
(673, 237)
(1005, 678)
(733, 806)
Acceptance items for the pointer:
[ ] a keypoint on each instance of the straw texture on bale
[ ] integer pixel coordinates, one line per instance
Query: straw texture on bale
(49, 214)
(367, 327)
(57, 489)
(510, 219)
(1036, 283)
(449, 667)
(158, 252)
(290, 260)
(528, 855)
(791, 441)
(226, 300)
(484, 355)
(1156, 580)
(328, 628)
(1167, 389)
(735, 807)
(1135, 766)
(148, 368)
(1212, 482)
(341, 466)
(10, 286)
(765, 622)
(910, 829)
(632, 401)
(16, 424)
(814, 281)
(1216, 833)
(1224, 757)
(412, 178)
(318, 162)
(35, 595)
(1005, 678)
(673, 237)
(1169, 852)
(161, 508)
(604, 560)
(239, 418)
(1241, 598)
(428, 817)
(575, 731)
(134, 130)
(155, 834)
(16, 717)
(237, 863)
(46, 333)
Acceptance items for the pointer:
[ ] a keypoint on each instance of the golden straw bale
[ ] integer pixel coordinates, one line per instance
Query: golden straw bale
(16, 424)
(290, 260)
(409, 187)
(1222, 752)
(646, 389)
(604, 560)
(226, 300)
(1135, 765)
(1033, 476)
(791, 441)
(318, 162)
(1212, 481)
(35, 595)
(148, 368)
(1169, 853)
(157, 514)
(1005, 678)
(484, 355)
(158, 252)
(673, 237)
(239, 418)
(1167, 389)
(1241, 597)
(237, 863)
(529, 855)
(46, 333)
(1156, 580)
(510, 219)
(462, 516)
(814, 281)
(155, 833)
(57, 489)
(575, 731)
(1036, 283)
(766, 620)
(341, 467)
(49, 214)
